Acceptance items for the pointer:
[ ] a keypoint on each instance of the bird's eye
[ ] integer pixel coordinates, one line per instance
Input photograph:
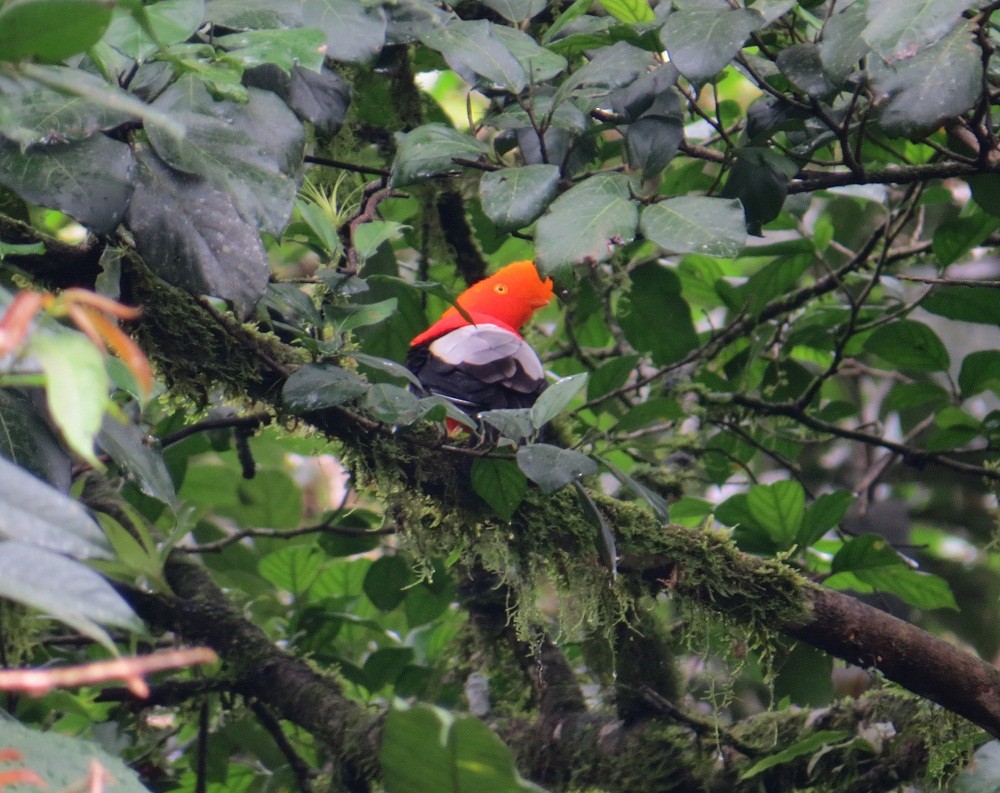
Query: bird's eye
(500, 289)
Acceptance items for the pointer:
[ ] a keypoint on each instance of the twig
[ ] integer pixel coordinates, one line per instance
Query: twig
(304, 774)
(329, 162)
(325, 527)
(700, 725)
(251, 422)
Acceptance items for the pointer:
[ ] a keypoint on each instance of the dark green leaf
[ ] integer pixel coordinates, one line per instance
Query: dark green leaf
(610, 375)
(652, 142)
(430, 150)
(27, 439)
(909, 345)
(611, 67)
(555, 398)
(965, 303)
(649, 412)
(802, 65)
(50, 30)
(779, 508)
(586, 222)
(516, 11)
(318, 386)
(538, 63)
(980, 372)
(954, 238)
(910, 395)
(386, 582)
(251, 150)
(471, 47)
(353, 31)
(91, 180)
(514, 197)
(696, 224)
(654, 316)
(823, 514)
(361, 315)
(897, 29)
(192, 236)
(500, 484)
(842, 46)
(940, 81)
(271, 499)
(702, 40)
(552, 468)
(141, 463)
(385, 665)
(425, 603)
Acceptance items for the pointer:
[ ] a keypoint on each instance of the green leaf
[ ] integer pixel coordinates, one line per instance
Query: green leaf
(271, 499)
(63, 762)
(586, 222)
(652, 142)
(293, 569)
(702, 39)
(868, 563)
(629, 11)
(430, 150)
(555, 398)
(980, 372)
(513, 423)
(759, 179)
(940, 81)
(28, 439)
(363, 315)
(909, 345)
(823, 514)
(538, 63)
(955, 238)
(649, 412)
(654, 316)
(392, 404)
(65, 589)
(33, 512)
(427, 750)
(808, 745)
(386, 582)
(965, 303)
(76, 387)
(286, 49)
(171, 21)
(803, 66)
(516, 11)
(696, 224)
(779, 508)
(98, 192)
(611, 67)
(514, 197)
(318, 386)
(50, 30)
(552, 468)
(470, 46)
(842, 46)
(252, 151)
(610, 375)
(900, 28)
(500, 484)
(353, 31)
(192, 236)
(141, 464)
(384, 666)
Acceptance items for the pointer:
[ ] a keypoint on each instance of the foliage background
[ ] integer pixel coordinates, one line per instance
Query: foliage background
(771, 227)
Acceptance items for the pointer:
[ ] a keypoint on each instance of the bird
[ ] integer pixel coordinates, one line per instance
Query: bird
(485, 364)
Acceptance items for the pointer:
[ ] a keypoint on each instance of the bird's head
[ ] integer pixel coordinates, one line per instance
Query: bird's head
(512, 294)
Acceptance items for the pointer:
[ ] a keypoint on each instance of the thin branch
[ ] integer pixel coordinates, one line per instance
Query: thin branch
(329, 162)
(699, 724)
(326, 527)
(250, 422)
(304, 774)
